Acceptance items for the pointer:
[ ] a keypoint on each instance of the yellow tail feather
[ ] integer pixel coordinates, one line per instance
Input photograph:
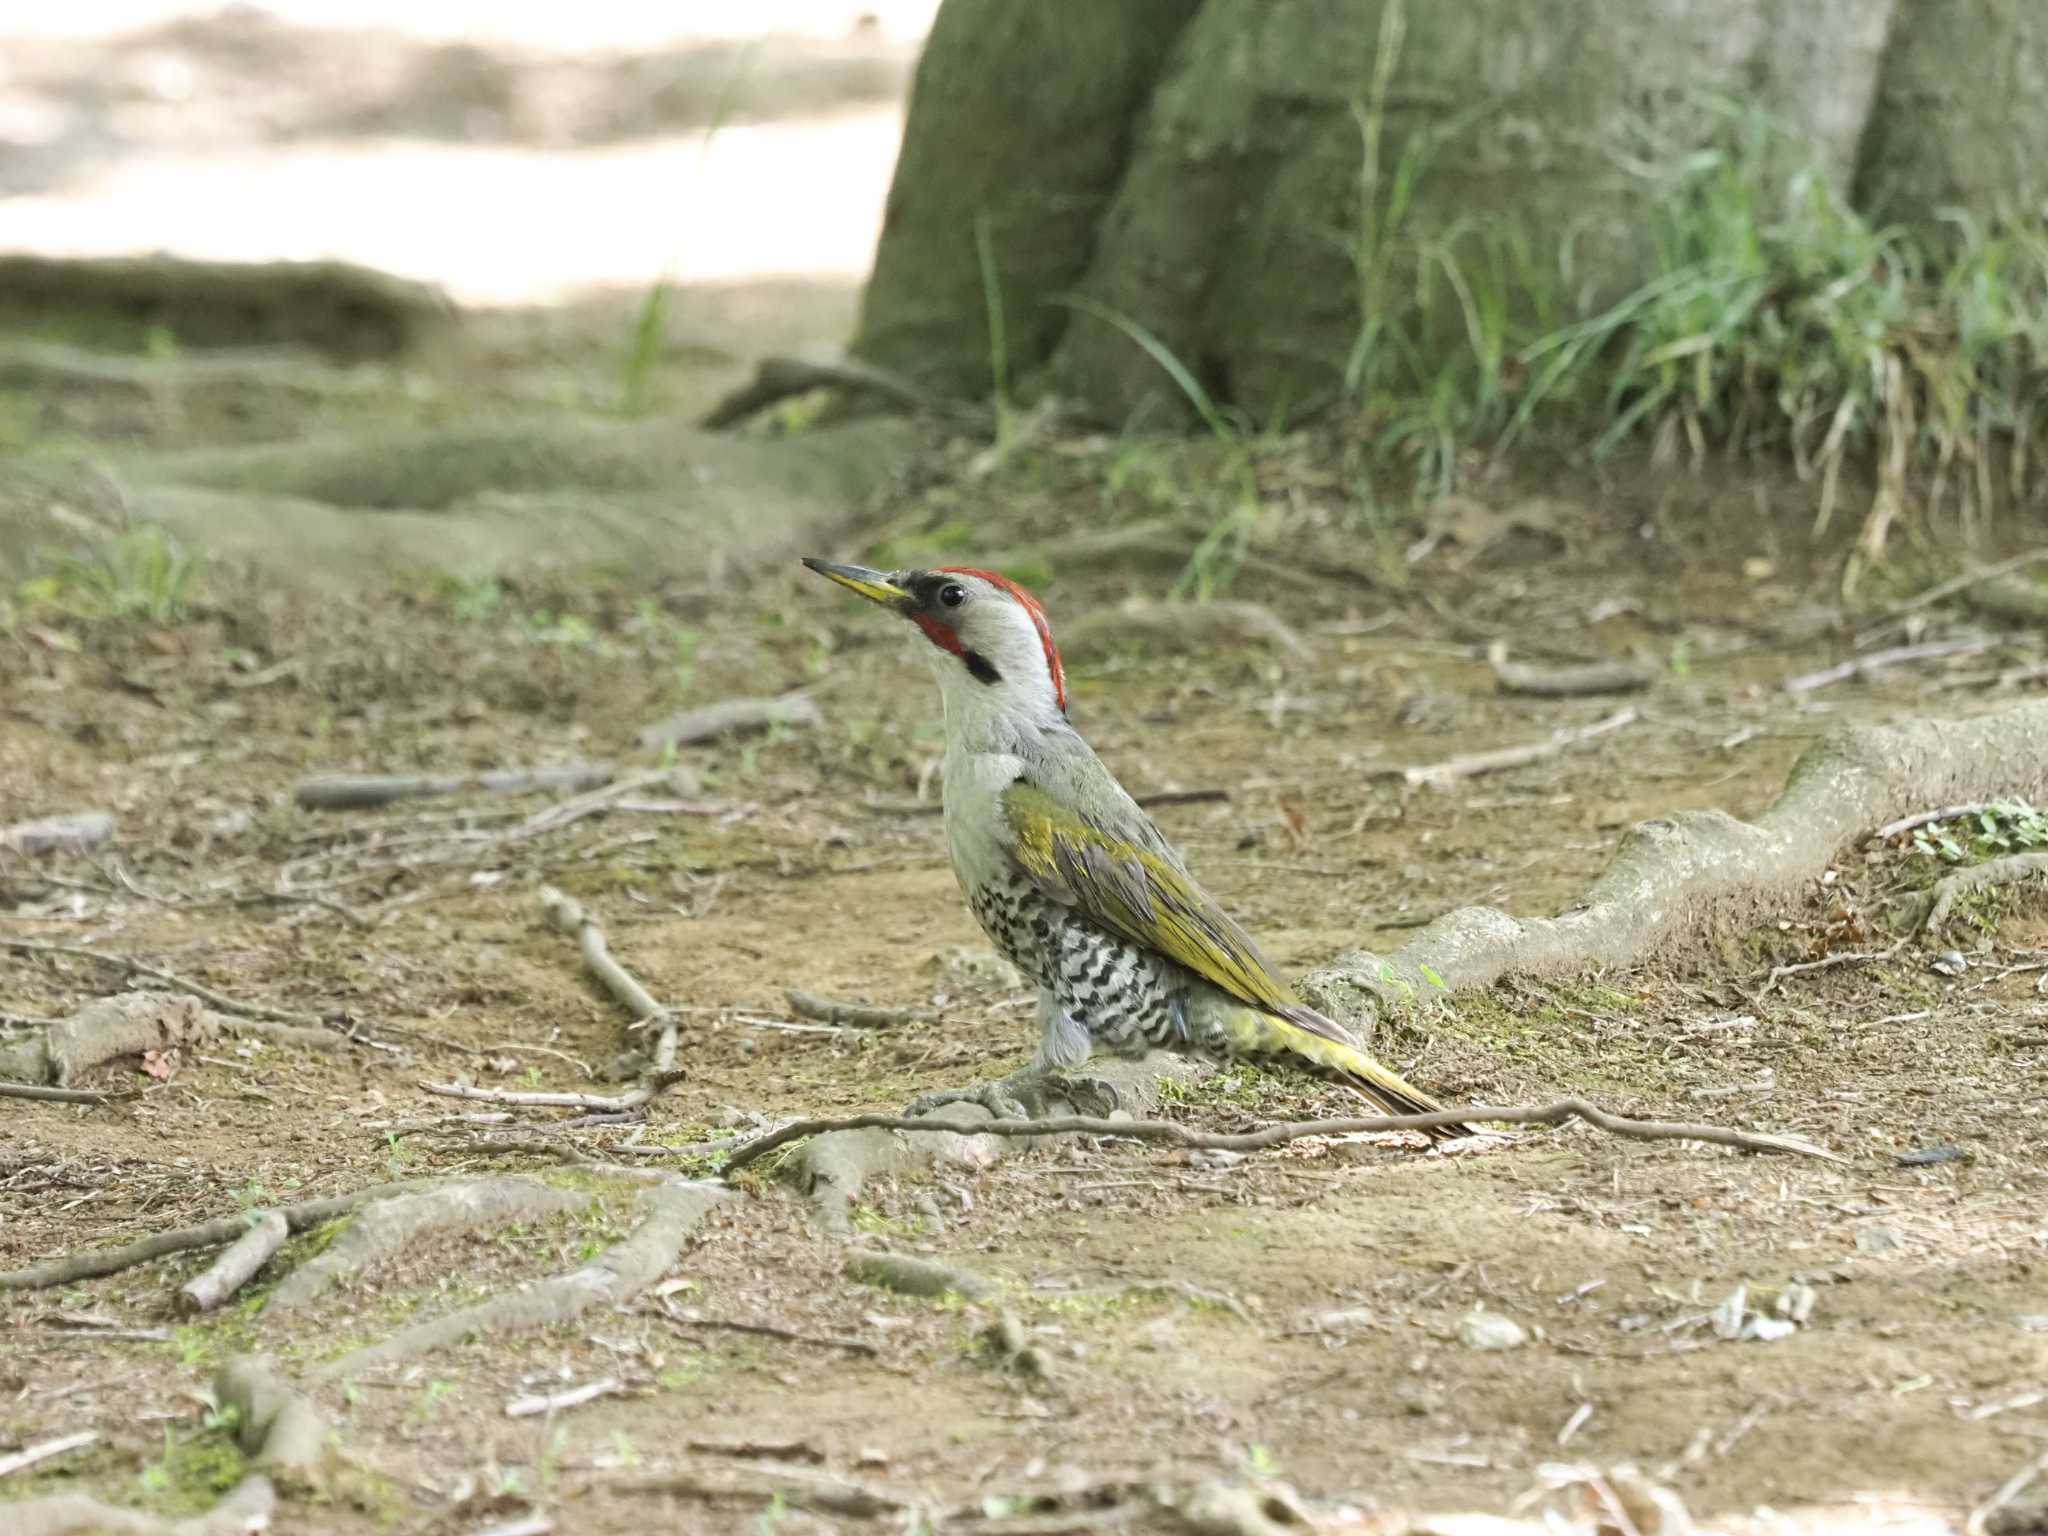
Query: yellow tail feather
(1250, 1032)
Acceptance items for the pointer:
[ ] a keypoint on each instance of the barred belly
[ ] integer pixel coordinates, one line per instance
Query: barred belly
(1127, 999)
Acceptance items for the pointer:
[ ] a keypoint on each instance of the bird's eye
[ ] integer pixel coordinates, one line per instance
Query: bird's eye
(952, 595)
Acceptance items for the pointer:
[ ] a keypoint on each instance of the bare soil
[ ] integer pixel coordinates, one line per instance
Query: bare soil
(809, 858)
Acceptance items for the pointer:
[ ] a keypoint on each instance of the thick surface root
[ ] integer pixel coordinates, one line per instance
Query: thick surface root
(673, 1208)
(105, 1029)
(246, 1509)
(1679, 879)
(386, 1228)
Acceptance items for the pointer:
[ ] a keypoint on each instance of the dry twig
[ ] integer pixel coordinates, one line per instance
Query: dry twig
(130, 966)
(1575, 681)
(731, 717)
(1876, 661)
(2010, 870)
(1176, 1134)
(350, 791)
(854, 1015)
(1472, 764)
(236, 1265)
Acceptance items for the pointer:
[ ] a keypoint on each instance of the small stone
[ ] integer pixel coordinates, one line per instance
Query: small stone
(1796, 1301)
(1481, 1329)
(1949, 962)
(1727, 1317)
(1214, 1157)
(1876, 1239)
(2033, 1322)
(1766, 1329)
(927, 1206)
(1346, 1320)
(1159, 1337)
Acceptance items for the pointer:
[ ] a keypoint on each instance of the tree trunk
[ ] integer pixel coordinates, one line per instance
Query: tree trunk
(1200, 169)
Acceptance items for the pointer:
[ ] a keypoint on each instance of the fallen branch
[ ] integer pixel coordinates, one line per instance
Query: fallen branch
(804, 1487)
(1826, 963)
(686, 1320)
(1568, 682)
(731, 717)
(385, 1228)
(569, 917)
(2010, 870)
(854, 1015)
(540, 1099)
(94, 1262)
(1892, 829)
(1963, 583)
(236, 1265)
(2009, 597)
(244, 1511)
(538, 1403)
(351, 791)
(1500, 759)
(614, 1277)
(29, 1455)
(1177, 1134)
(60, 1095)
(1877, 661)
(1693, 875)
(74, 833)
(130, 966)
(276, 1425)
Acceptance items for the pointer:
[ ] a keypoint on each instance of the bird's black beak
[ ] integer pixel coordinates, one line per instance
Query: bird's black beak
(875, 586)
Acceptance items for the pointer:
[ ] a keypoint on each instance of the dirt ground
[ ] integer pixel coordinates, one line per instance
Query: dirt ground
(1323, 1347)
(1299, 1319)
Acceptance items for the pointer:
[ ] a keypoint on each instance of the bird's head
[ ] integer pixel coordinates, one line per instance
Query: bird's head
(991, 646)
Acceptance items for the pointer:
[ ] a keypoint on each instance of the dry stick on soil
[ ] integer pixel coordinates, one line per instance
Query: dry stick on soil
(569, 916)
(1892, 829)
(2010, 597)
(133, 967)
(236, 1265)
(1471, 764)
(1825, 963)
(95, 1262)
(277, 1427)
(674, 1208)
(805, 1487)
(731, 717)
(688, 1320)
(855, 1015)
(541, 1099)
(1965, 582)
(1177, 1134)
(243, 1511)
(1877, 661)
(2009, 870)
(1569, 682)
(60, 1095)
(29, 1455)
(74, 833)
(351, 791)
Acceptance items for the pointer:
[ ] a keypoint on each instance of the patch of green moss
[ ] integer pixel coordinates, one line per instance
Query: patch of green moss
(194, 1470)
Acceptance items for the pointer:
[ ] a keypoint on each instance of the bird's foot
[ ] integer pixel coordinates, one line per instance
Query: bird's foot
(1032, 1094)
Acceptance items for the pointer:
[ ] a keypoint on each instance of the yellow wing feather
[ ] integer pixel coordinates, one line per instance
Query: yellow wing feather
(1139, 896)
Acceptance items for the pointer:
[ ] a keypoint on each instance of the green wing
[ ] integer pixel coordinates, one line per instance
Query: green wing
(1138, 895)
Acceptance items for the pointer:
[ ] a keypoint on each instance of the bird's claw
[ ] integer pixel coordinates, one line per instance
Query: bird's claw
(1027, 1095)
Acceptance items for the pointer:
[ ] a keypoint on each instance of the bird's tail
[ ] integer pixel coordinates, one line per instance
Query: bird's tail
(1308, 1041)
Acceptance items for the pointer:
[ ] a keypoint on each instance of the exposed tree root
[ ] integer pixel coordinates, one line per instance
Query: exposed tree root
(245, 1510)
(104, 1029)
(385, 1228)
(277, 1427)
(778, 378)
(236, 1265)
(2010, 870)
(2010, 597)
(832, 1169)
(673, 1208)
(1687, 877)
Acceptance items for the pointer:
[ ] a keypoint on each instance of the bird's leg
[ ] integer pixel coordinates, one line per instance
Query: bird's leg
(1045, 1085)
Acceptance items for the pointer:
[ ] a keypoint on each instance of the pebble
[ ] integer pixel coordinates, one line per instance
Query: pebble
(1876, 1239)
(1480, 1329)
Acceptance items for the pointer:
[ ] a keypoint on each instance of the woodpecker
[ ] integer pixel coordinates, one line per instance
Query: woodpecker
(1070, 878)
